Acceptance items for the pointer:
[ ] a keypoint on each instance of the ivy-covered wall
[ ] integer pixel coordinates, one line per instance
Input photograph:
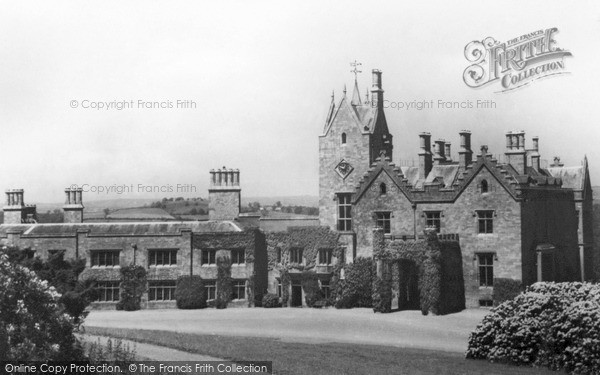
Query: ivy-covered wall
(310, 240)
(255, 268)
(441, 288)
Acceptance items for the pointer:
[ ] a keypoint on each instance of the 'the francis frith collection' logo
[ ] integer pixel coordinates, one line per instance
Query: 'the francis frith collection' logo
(514, 63)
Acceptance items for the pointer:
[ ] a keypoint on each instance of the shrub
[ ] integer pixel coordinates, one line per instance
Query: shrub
(506, 289)
(551, 324)
(33, 325)
(258, 299)
(117, 353)
(356, 290)
(286, 281)
(312, 290)
(270, 300)
(224, 281)
(61, 274)
(190, 293)
(133, 286)
(382, 295)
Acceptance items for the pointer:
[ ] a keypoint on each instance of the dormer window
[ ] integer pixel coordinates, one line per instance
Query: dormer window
(343, 138)
(484, 186)
(382, 189)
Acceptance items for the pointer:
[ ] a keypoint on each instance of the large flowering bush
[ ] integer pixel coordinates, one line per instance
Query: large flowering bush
(556, 325)
(33, 325)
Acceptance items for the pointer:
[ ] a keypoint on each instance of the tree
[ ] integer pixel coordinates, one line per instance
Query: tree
(61, 274)
(33, 326)
(106, 212)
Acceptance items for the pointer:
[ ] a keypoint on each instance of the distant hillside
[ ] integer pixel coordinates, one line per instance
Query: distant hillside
(100, 205)
(140, 213)
(299, 200)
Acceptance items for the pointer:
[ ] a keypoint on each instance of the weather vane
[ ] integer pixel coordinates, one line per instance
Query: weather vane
(355, 64)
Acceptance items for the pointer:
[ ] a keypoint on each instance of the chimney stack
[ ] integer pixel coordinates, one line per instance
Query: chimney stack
(557, 163)
(377, 90)
(448, 152)
(515, 151)
(73, 207)
(224, 194)
(425, 162)
(439, 156)
(465, 155)
(14, 210)
(535, 154)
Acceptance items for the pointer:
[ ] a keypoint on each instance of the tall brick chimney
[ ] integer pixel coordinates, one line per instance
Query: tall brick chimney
(440, 152)
(465, 155)
(377, 90)
(535, 154)
(224, 194)
(73, 207)
(448, 152)
(425, 162)
(515, 151)
(16, 211)
(14, 208)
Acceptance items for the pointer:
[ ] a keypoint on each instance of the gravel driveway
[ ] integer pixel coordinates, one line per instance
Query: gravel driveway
(401, 329)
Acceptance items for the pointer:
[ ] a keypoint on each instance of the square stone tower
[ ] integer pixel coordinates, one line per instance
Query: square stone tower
(224, 194)
(354, 136)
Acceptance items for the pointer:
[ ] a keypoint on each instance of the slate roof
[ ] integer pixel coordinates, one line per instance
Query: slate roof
(572, 177)
(119, 229)
(446, 182)
(366, 117)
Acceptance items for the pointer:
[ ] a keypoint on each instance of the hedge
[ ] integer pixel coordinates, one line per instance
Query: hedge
(556, 325)
(311, 287)
(506, 289)
(356, 289)
(190, 293)
(270, 300)
(133, 286)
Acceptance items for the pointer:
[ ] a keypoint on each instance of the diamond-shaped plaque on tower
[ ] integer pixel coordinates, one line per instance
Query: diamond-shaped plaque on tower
(344, 169)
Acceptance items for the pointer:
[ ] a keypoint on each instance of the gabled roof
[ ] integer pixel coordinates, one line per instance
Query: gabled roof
(445, 183)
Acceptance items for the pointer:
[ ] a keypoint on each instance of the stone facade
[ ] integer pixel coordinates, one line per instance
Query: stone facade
(168, 250)
(353, 137)
(514, 219)
(140, 244)
(297, 250)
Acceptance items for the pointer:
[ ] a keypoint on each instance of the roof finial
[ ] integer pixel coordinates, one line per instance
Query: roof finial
(355, 64)
(344, 89)
(367, 96)
(332, 95)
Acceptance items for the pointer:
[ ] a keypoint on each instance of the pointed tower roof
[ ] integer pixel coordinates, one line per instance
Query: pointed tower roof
(355, 95)
(330, 111)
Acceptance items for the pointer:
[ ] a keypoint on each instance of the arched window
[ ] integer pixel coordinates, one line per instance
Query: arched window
(383, 188)
(484, 186)
(343, 138)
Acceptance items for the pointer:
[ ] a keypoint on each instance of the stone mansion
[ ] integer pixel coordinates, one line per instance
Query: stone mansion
(512, 219)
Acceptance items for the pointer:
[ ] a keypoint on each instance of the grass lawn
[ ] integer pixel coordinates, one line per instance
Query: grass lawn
(321, 358)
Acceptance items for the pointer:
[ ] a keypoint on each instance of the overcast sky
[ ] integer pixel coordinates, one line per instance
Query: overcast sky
(261, 74)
